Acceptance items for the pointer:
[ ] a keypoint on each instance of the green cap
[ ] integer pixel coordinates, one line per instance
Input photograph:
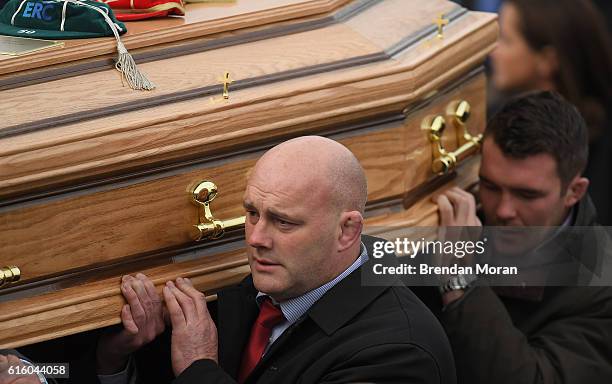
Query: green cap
(71, 19)
(58, 19)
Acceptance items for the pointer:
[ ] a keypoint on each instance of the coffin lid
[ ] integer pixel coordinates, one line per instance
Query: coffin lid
(299, 65)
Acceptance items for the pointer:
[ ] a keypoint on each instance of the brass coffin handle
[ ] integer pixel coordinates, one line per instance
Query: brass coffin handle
(460, 113)
(9, 275)
(444, 161)
(209, 228)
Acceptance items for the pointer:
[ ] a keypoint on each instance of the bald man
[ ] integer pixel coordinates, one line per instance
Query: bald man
(303, 315)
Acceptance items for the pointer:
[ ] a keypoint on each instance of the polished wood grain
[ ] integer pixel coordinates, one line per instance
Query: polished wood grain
(424, 213)
(98, 304)
(248, 61)
(201, 20)
(94, 177)
(74, 232)
(197, 128)
(180, 74)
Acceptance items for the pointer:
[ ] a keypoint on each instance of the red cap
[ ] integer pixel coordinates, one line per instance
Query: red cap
(128, 10)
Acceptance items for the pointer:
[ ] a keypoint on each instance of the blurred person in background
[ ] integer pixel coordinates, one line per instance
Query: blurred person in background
(563, 45)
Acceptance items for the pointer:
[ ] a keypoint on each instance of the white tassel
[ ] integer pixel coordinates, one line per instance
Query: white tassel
(125, 62)
(127, 66)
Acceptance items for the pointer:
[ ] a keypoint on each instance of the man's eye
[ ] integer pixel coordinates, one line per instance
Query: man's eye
(488, 186)
(284, 224)
(528, 196)
(252, 214)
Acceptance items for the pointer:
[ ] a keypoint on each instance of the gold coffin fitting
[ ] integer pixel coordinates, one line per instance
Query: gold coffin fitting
(9, 275)
(444, 161)
(209, 228)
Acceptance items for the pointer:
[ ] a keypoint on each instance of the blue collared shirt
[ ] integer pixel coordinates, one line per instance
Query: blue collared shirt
(294, 308)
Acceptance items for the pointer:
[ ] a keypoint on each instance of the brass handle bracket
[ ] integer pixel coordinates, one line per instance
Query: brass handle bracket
(444, 161)
(9, 275)
(460, 113)
(208, 227)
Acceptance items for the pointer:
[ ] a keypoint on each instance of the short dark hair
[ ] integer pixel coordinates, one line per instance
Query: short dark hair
(542, 122)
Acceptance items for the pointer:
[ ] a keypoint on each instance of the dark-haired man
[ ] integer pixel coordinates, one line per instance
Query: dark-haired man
(533, 154)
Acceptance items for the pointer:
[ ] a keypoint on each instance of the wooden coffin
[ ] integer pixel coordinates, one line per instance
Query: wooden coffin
(96, 179)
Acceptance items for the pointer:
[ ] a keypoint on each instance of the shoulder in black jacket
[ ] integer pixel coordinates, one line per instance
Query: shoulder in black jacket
(354, 333)
(500, 336)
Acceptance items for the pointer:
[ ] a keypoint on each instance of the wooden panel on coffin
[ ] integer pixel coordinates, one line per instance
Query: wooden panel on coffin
(93, 180)
(74, 232)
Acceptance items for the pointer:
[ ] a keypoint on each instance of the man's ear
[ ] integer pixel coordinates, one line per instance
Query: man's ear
(351, 225)
(576, 190)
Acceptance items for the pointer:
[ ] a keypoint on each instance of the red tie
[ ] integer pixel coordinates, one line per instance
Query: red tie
(269, 316)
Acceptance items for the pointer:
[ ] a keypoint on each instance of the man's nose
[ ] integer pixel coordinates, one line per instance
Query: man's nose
(257, 235)
(506, 209)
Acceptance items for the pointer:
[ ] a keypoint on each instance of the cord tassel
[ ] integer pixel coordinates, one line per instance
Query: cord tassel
(127, 66)
(125, 62)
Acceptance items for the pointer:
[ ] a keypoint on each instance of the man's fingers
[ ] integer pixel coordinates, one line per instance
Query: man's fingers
(469, 200)
(128, 320)
(138, 312)
(14, 360)
(177, 318)
(154, 299)
(146, 302)
(153, 305)
(196, 296)
(186, 303)
(447, 213)
(26, 380)
(460, 204)
(149, 287)
(138, 284)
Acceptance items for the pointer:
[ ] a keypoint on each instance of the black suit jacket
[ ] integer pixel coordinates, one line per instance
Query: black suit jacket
(504, 336)
(354, 333)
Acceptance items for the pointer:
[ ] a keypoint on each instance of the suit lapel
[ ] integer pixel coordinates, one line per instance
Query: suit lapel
(354, 293)
(337, 306)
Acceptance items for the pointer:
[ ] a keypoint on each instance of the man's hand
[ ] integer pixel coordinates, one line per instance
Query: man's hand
(457, 209)
(194, 334)
(142, 319)
(10, 376)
